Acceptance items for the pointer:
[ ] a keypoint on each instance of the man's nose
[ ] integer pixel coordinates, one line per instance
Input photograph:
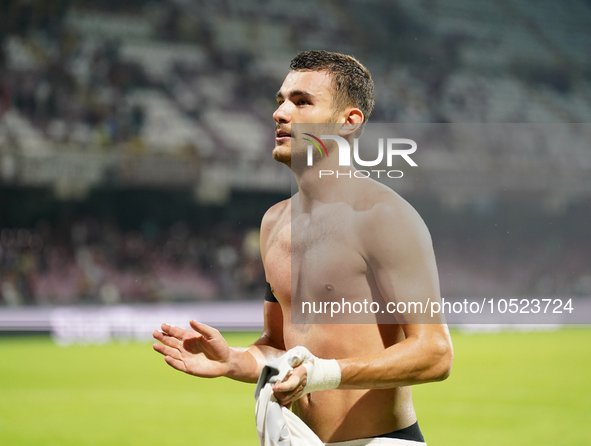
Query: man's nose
(283, 113)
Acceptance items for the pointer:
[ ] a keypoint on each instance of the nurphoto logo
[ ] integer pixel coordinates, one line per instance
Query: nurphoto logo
(393, 148)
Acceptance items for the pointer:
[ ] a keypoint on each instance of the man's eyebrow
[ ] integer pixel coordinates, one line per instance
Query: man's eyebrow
(301, 93)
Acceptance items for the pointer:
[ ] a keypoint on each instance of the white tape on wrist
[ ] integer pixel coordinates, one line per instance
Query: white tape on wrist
(322, 374)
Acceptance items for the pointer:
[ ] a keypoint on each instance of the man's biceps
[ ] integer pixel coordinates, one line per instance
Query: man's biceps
(406, 277)
(272, 330)
(426, 332)
(403, 262)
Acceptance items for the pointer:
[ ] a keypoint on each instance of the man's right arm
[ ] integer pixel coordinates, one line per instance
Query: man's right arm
(247, 363)
(202, 350)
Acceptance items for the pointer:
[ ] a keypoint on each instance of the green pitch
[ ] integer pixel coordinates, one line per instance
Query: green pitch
(506, 389)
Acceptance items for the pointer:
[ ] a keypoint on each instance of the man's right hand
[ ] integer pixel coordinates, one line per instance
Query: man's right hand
(202, 351)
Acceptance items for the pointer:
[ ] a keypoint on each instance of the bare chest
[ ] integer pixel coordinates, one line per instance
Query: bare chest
(315, 255)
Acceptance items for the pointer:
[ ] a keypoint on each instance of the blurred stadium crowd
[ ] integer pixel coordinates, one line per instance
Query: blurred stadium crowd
(161, 74)
(92, 262)
(196, 80)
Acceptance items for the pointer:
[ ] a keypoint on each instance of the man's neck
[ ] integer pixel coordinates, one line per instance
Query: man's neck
(324, 182)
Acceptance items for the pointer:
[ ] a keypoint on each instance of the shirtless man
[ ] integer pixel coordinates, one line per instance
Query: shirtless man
(384, 251)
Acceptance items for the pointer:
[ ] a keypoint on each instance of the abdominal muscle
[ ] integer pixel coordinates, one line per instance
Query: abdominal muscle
(340, 415)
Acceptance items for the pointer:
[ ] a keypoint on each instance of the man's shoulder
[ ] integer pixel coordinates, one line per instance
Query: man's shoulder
(385, 215)
(378, 201)
(275, 213)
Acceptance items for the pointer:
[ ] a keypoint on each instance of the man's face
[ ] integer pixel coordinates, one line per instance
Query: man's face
(304, 97)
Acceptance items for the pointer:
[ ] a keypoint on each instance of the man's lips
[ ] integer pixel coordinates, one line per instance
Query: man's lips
(282, 135)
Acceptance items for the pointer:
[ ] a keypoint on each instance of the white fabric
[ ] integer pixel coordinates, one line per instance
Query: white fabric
(378, 442)
(276, 425)
(322, 374)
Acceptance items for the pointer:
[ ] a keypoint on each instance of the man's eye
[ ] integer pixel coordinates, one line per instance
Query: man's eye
(303, 102)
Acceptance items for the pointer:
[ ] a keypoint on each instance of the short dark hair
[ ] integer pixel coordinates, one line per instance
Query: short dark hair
(352, 81)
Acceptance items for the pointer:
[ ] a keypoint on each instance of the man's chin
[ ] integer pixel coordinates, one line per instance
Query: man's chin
(282, 154)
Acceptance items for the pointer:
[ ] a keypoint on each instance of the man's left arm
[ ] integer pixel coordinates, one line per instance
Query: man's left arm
(398, 248)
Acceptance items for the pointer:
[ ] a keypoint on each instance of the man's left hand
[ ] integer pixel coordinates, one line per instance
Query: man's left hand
(290, 390)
